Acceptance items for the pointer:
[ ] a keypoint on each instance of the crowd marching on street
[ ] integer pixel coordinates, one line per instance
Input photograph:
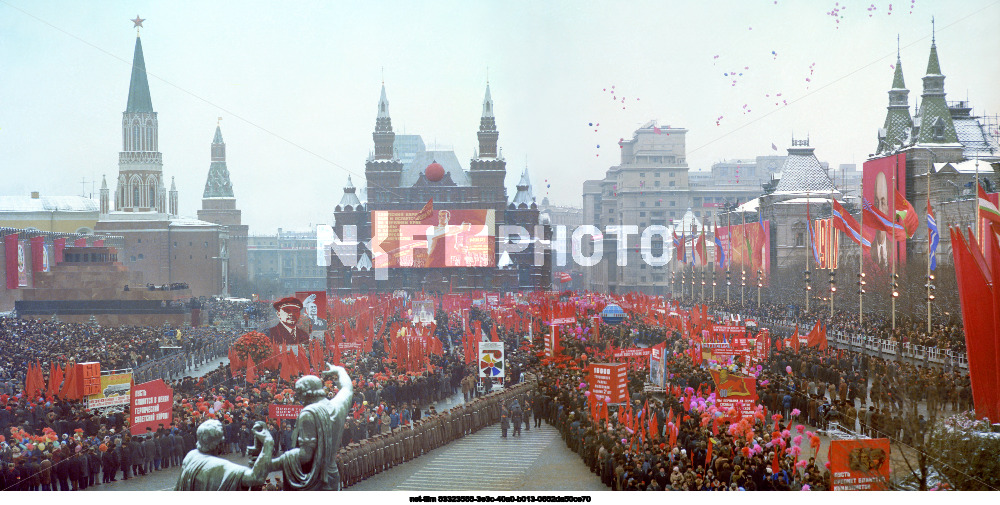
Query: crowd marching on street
(54, 444)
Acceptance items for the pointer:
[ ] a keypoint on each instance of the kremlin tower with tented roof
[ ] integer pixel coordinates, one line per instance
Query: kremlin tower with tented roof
(167, 249)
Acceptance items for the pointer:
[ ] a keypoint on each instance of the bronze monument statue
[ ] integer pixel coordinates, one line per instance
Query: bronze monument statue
(311, 465)
(202, 471)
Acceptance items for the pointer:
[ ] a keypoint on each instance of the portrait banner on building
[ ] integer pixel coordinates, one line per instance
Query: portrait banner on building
(491, 360)
(116, 391)
(879, 178)
(735, 392)
(280, 411)
(608, 380)
(747, 247)
(433, 238)
(859, 465)
(151, 406)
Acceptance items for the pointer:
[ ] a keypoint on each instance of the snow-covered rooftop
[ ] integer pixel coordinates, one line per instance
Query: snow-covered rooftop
(26, 203)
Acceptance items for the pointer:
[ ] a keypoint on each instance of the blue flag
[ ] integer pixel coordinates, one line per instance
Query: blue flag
(932, 226)
(721, 252)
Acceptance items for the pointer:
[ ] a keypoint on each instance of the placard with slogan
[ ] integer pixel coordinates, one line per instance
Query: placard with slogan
(608, 380)
(734, 391)
(151, 406)
(115, 391)
(551, 341)
(859, 465)
(279, 411)
(491, 362)
(635, 352)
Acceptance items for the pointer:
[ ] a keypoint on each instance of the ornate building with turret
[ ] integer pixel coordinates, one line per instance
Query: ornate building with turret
(164, 247)
(947, 149)
(437, 176)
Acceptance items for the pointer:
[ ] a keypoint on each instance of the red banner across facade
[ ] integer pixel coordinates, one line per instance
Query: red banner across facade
(10, 254)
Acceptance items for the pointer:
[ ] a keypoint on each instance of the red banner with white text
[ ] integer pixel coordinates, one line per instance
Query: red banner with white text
(279, 411)
(608, 381)
(860, 465)
(151, 405)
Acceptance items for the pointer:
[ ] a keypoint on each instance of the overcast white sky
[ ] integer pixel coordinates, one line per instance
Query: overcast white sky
(298, 83)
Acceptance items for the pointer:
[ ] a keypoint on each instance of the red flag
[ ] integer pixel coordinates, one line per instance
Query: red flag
(708, 454)
(303, 360)
(795, 340)
(654, 429)
(776, 465)
(55, 378)
(979, 320)
(39, 378)
(29, 377)
(251, 370)
(906, 214)
(69, 389)
(816, 338)
(287, 367)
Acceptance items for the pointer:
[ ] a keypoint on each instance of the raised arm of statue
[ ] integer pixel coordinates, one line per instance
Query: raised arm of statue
(342, 401)
(257, 474)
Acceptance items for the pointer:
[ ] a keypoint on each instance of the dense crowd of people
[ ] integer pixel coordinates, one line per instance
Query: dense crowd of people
(945, 334)
(881, 398)
(55, 444)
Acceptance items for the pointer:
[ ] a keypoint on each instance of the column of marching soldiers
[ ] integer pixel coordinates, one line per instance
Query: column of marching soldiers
(363, 459)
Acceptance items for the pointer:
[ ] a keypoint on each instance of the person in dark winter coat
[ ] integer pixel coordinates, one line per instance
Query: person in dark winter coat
(504, 422)
(125, 459)
(109, 464)
(515, 417)
(94, 465)
(60, 467)
(137, 457)
(148, 452)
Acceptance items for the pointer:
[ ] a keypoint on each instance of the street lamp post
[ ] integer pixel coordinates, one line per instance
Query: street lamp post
(760, 285)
